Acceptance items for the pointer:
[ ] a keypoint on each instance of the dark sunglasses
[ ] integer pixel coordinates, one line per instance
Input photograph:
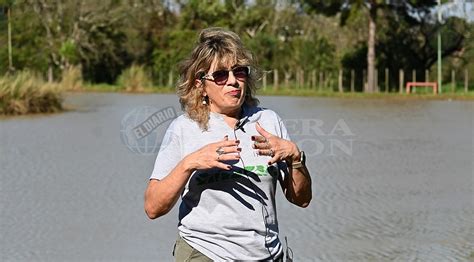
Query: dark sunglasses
(220, 77)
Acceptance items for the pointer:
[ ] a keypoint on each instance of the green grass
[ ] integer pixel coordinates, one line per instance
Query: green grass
(306, 92)
(420, 94)
(26, 92)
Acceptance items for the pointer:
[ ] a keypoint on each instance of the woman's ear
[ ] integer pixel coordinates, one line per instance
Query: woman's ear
(198, 83)
(201, 86)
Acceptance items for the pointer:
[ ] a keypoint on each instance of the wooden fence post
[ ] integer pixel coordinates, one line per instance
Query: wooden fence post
(453, 81)
(376, 80)
(352, 80)
(402, 81)
(328, 81)
(320, 86)
(302, 78)
(331, 82)
(297, 78)
(339, 85)
(364, 80)
(287, 79)
(386, 80)
(160, 78)
(264, 81)
(275, 79)
(170, 79)
(466, 84)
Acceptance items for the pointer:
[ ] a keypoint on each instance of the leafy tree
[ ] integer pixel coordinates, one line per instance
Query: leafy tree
(172, 47)
(52, 35)
(26, 41)
(350, 8)
(403, 45)
(198, 14)
(108, 36)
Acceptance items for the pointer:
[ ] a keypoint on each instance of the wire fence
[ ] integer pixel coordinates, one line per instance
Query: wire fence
(385, 80)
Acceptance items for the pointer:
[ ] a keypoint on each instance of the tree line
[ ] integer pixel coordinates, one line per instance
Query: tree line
(106, 37)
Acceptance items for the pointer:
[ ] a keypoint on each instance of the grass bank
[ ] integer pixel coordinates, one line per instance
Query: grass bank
(27, 92)
(302, 92)
(357, 95)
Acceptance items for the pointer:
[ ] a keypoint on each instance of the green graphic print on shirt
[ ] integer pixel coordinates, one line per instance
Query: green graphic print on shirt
(209, 178)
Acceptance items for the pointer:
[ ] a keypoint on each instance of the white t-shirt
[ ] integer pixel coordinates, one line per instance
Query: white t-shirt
(227, 215)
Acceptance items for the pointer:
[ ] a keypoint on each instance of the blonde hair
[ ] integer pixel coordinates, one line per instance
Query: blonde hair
(213, 44)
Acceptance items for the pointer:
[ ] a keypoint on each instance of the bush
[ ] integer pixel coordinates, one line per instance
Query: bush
(134, 78)
(71, 78)
(27, 92)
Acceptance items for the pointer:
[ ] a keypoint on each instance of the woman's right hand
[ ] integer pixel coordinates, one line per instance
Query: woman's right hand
(208, 156)
(161, 195)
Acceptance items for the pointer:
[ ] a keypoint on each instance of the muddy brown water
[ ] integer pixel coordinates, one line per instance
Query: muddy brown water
(392, 181)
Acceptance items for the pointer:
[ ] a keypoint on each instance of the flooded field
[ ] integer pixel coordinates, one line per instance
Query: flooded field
(392, 181)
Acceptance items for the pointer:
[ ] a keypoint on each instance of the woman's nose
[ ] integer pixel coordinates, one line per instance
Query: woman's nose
(231, 80)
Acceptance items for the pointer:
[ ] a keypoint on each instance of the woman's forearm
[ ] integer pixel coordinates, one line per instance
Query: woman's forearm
(298, 187)
(162, 195)
(298, 183)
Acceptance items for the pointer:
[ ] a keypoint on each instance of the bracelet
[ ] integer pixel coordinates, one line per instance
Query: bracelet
(301, 163)
(297, 165)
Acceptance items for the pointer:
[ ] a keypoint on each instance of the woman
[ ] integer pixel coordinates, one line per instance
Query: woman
(224, 157)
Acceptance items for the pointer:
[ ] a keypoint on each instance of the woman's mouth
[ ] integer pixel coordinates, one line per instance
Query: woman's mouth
(234, 93)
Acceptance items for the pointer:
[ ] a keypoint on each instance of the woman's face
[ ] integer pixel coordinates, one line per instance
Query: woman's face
(225, 87)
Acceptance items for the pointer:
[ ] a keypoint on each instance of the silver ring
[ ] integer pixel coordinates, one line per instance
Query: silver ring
(220, 151)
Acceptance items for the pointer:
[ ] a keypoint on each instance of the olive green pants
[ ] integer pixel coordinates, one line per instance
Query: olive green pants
(183, 252)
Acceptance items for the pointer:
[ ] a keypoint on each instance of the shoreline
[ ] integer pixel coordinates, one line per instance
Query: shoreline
(269, 93)
(305, 93)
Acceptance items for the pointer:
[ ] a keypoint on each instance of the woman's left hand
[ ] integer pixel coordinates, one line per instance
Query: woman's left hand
(277, 148)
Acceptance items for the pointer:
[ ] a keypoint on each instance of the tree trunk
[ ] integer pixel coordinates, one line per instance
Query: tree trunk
(10, 60)
(371, 51)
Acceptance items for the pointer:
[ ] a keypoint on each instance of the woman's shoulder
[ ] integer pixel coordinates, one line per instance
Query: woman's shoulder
(257, 113)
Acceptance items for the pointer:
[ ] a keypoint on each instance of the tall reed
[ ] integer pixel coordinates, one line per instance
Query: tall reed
(71, 78)
(27, 92)
(135, 78)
